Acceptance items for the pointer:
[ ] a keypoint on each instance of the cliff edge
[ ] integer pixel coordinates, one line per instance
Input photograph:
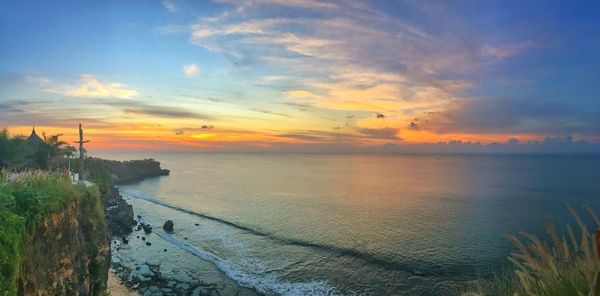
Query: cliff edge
(53, 238)
(109, 173)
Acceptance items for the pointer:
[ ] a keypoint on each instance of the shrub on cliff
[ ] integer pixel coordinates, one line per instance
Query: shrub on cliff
(103, 170)
(13, 151)
(12, 230)
(37, 193)
(25, 199)
(19, 153)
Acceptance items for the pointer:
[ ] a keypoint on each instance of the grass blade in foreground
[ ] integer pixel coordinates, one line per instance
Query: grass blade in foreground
(554, 267)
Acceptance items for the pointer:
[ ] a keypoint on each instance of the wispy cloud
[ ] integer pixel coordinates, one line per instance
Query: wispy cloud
(90, 86)
(349, 56)
(382, 133)
(270, 112)
(338, 63)
(138, 107)
(308, 4)
(319, 72)
(190, 70)
(505, 50)
(356, 136)
(38, 79)
(170, 5)
(512, 116)
(165, 112)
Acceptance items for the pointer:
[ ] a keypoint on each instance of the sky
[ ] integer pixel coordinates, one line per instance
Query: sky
(304, 75)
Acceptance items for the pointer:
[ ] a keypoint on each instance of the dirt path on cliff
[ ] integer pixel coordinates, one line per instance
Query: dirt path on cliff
(116, 288)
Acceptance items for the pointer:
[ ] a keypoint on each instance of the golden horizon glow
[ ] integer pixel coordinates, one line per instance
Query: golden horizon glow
(164, 140)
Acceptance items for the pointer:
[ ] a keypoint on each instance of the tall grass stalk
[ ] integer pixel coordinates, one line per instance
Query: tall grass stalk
(557, 266)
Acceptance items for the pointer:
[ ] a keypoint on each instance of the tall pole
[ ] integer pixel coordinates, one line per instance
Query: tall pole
(81, 154)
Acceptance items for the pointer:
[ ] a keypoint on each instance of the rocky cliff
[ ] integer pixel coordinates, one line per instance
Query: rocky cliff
(124, 172)
(68, 252)
(53, 238)
(109, 173)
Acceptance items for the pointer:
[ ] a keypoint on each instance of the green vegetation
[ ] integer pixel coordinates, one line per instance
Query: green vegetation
(21, 153)
(92, 220)
(557, 266)
(12, 230)
(13, 151)
(107, 171)
(25, 198)
(32, 189)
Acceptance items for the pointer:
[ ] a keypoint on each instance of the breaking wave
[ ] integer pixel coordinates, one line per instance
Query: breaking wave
(266, 283)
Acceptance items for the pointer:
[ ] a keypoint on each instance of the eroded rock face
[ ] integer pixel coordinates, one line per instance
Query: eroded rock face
(67, 253)
(119, 214)
(108, 173)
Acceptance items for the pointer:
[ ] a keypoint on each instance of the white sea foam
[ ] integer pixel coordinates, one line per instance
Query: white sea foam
(251, 273)
(267, 283)
(140, 195)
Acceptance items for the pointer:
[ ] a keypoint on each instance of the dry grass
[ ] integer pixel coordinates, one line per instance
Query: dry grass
(558, 266)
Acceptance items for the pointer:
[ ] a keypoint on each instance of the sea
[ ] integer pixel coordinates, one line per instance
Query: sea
(326, 224)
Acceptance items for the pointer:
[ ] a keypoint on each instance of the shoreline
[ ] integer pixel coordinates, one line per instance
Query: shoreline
(135, 265)
(145, 276)
(142, 278)
(122, 224)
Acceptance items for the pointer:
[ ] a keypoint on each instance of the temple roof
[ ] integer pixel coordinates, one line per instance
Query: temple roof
(34, 138)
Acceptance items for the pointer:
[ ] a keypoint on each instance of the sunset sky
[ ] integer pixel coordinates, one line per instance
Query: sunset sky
(300, 75)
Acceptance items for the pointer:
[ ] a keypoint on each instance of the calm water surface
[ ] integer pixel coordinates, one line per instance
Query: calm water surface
(355, 224)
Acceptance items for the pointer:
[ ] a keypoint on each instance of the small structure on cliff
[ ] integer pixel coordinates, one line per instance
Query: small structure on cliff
(34, 139)
(82, 173)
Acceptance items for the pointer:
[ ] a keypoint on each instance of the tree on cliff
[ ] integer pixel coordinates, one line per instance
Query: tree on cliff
(34, 152)
(13, 151)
